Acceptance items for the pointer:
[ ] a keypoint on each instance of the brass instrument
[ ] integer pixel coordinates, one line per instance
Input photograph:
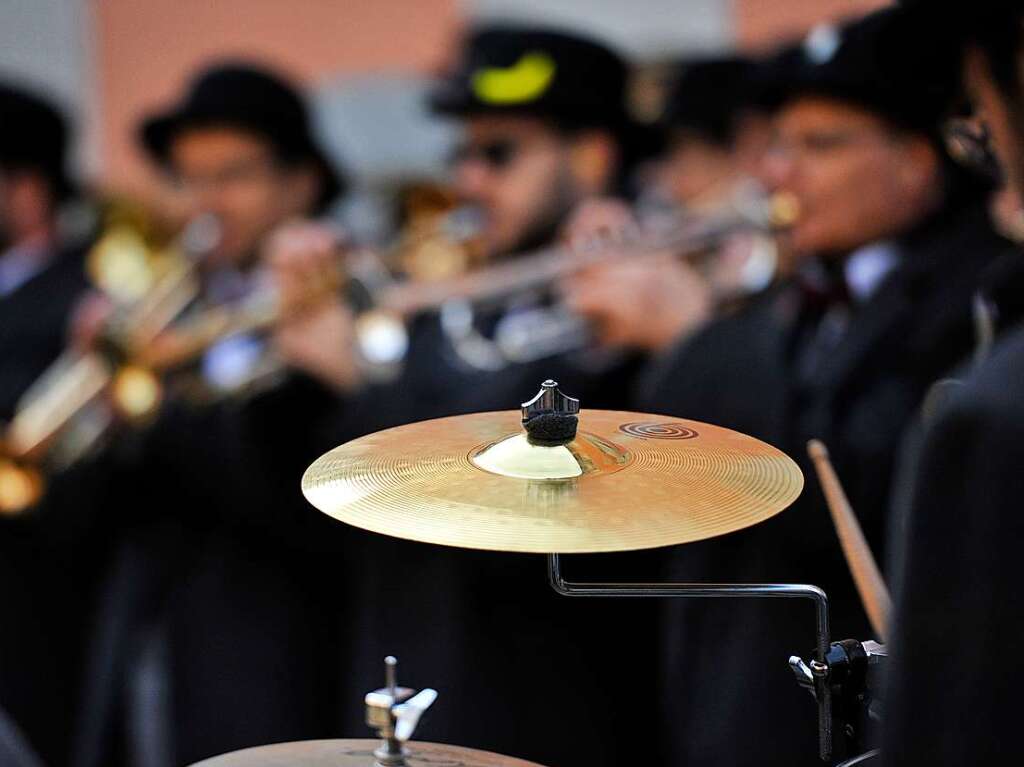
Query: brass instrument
(534, 332)
(71, 407)
(385, 307)
(124, 380)
(438, 236)
(437, 240)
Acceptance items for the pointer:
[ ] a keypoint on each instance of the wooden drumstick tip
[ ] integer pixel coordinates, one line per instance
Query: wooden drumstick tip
(816, 449)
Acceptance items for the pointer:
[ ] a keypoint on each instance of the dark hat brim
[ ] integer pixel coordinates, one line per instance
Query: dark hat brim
(157, 133)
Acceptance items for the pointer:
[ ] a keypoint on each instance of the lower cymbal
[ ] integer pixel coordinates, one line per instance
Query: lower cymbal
(358, 753)
(626, 481)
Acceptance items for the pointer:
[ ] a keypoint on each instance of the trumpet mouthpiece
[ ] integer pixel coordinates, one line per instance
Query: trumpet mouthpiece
(783, 210)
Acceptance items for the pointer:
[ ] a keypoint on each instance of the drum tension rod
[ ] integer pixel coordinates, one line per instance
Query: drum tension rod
(817, 675)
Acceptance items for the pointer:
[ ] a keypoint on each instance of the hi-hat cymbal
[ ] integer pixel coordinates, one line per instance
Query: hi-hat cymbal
(627, 481)
(357, 753)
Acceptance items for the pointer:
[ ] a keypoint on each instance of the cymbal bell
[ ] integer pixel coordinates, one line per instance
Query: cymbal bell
(357, 753)
(627, 481)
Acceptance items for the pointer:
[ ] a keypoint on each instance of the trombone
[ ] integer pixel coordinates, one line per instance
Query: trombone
(69, 409)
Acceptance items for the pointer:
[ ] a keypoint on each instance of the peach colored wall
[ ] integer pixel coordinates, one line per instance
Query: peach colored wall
(145, 50)
(761, 23)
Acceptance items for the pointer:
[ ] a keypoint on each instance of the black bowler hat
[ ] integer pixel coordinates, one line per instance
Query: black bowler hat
(34, 136)
(251, 99)
(709, 95)
(568, 78)
(884, 62)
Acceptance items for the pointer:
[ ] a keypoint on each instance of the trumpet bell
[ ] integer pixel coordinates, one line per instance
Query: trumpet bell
(20, 487)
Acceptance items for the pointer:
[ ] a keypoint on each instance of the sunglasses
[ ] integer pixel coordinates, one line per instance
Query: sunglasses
(497, 154)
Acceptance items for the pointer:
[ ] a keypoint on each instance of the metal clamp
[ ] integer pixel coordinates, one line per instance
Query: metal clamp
(846, 676)
(818, 670)
(394, 712)
(551, 417)
(550, 399)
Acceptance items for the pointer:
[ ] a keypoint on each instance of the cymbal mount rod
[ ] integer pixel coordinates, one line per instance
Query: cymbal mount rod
(823, 692)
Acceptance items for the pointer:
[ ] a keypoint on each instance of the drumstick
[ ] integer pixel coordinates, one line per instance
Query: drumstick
(872, 589)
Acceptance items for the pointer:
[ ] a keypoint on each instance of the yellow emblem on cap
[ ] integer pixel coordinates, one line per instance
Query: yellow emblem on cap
(524, 81)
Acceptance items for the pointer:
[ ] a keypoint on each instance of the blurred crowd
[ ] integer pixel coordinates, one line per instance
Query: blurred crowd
(817, 242)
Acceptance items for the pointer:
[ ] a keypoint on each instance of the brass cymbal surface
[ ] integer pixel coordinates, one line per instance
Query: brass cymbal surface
(357, 753)
(628, 481)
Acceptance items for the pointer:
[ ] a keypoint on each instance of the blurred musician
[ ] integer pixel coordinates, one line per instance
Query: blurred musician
(716, 135)
(718, 130)
(40, 270)
(240, 146)
(41, 276)
(184, 666)
(545, 127)
(951, 689)
(891, 241)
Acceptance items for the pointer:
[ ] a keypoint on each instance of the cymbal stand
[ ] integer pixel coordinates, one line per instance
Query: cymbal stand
(818, 672)
(394, 712)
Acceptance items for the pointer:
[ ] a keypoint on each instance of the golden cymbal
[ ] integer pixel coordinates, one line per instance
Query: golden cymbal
(358, 753)
(627, 481)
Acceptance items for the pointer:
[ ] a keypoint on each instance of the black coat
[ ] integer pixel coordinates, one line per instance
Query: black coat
(34, 325)
(954, 678)
(223, 575)
(726, 660)
(45, 592)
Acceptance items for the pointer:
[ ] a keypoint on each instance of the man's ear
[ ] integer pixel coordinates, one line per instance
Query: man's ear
(303, 187)
(594, 159)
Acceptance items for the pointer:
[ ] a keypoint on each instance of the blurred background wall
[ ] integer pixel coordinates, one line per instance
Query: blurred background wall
(108, 62)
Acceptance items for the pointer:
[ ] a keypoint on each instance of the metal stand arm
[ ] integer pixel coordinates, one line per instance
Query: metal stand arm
(819, 667)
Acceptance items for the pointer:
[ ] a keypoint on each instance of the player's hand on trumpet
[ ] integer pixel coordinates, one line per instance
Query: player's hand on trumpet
(647, 303)
(317, 334)
(89, 318)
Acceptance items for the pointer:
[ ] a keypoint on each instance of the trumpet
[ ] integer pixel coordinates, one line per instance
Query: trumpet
(384, 307)
(534, 330)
